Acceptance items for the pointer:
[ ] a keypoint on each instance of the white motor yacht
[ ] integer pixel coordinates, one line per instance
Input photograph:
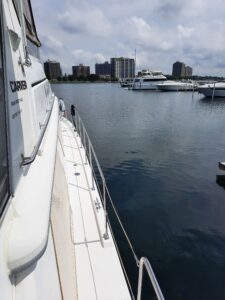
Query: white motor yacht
(216, 89)
(175, 86)
(56, 240)
(148, 80)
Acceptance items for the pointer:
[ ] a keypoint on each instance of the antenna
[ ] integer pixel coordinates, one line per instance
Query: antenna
(134, 61)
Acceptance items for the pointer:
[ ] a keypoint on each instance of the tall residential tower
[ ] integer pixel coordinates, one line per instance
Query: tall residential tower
(122, 67)
(181, 70)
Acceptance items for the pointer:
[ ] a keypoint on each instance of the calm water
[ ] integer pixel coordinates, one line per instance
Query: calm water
(159, 153)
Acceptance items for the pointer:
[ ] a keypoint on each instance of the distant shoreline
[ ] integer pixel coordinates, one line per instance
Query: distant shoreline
(77, 82)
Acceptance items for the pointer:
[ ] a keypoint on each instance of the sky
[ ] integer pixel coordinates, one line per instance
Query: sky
(161, 31)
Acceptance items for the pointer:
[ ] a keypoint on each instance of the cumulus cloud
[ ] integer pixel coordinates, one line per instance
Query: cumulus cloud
(185, 32)
(87, 57)
(51, 42)
(85, 19)
(137, 32)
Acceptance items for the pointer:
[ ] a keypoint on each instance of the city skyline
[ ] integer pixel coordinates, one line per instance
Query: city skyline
(87, 31)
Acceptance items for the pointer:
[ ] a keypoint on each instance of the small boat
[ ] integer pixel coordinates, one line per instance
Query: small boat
(175, 86)
(148, 80)
(126, 82)
(216, 89)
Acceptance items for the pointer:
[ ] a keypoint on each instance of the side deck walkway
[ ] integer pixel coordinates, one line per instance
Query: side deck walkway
(99, 272)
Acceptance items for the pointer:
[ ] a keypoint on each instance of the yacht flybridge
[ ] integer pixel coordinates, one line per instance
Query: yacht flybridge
(55, 237)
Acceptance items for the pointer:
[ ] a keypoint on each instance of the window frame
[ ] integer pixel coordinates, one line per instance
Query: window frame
(5, 201)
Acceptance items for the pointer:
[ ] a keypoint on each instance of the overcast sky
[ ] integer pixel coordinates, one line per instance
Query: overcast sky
(161, 31)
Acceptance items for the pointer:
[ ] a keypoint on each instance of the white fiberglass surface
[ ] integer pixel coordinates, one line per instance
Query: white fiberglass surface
(98, 269)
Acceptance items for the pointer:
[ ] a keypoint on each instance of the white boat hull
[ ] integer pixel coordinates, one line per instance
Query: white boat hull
(176, 86)
(210, 92)
(146, 86)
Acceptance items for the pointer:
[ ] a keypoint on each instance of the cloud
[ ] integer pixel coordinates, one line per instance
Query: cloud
(185, 32)
(167, 9)
(87, 57)
(51, 42)
(136, 31)
(85, 19)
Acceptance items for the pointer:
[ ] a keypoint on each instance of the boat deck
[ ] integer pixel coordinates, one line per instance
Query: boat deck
(98, 270)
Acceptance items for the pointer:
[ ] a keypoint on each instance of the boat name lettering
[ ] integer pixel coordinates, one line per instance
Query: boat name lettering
(16, 101)
(16, 114)
(18, 85)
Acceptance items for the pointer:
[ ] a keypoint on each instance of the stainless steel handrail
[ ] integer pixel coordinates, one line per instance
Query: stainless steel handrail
(104, 193)
(144, 262)
(28, 160)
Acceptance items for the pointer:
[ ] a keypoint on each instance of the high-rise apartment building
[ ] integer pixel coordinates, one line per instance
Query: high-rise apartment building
(52, 69)
(178, 69)
(188, 71)
(103, 69)
(181, 70)
(81, 70)
(122, 67)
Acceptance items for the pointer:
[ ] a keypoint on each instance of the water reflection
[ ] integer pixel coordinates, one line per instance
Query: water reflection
(217, 101)
(220, 180)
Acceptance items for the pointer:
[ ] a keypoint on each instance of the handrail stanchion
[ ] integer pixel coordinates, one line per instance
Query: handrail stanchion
(144, 262)
(81, 127)
(90, 160)
(105, 235)
(86, 157)
(85, 146)
(77, 124)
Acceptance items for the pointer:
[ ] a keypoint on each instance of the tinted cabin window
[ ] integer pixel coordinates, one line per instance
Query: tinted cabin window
(4, 177)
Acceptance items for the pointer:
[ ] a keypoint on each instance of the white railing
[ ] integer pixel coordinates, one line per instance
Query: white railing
(91, 157)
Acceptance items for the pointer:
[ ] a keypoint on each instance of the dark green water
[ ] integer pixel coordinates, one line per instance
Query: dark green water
(159, 153)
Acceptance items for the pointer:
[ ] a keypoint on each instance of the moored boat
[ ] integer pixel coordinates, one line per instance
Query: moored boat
(148, 80)
(216, 89)
(126, 82)
(175, 86)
